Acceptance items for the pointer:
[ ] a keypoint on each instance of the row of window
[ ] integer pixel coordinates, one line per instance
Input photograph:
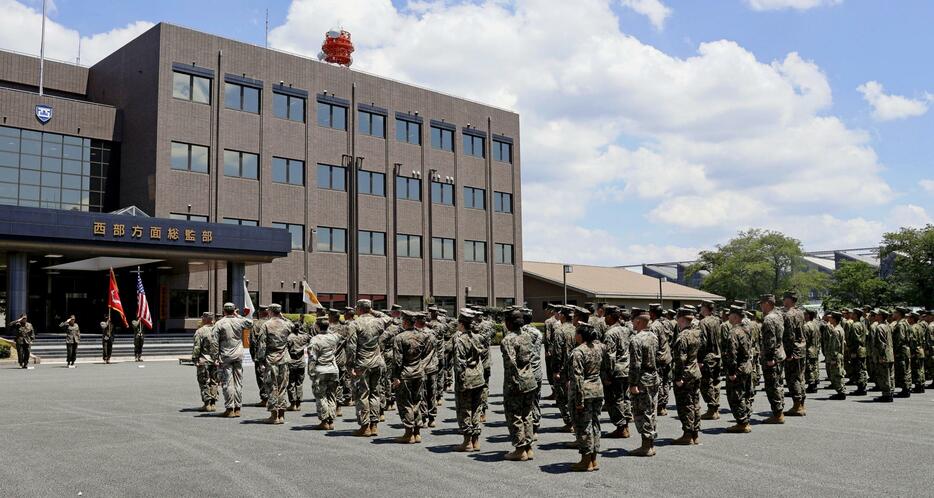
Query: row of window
(329, 114)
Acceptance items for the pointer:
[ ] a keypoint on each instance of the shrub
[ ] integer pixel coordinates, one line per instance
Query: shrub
(4, 351)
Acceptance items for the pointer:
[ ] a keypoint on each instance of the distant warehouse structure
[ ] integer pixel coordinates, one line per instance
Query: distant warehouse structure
(543, 283)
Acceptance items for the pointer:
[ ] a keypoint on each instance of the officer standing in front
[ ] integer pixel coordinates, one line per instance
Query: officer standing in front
(72, 338)
(229, 359)
(25, 335)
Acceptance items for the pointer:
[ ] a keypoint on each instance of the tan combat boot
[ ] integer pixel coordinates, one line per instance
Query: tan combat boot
(338, 413)
(529, 453)
(204, 408)
(418, 435)
(662, 411)
(228, 413)
(775, 419)
(696, 437)
(323, 426)
(363, 431)
(625, 431)
(686, 439)
(273, 417)
(374, 429)
(211, 407)
(406, 438)
(711, 414)
(475, 441)
(236, 412)
(517, 455)
(465, 446)
(382, 417)
(646, 450)
(593, 462)
(583, 465)
(739, 428)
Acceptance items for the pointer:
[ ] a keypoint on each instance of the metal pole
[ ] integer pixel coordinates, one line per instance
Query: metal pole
(42, 53)
(564, 272)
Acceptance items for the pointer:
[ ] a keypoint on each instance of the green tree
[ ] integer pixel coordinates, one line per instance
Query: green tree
(757, 262)
(911, 253)
(856, 283)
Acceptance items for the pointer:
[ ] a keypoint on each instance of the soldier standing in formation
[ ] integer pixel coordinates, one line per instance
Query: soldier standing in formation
(772, 358)
(139, 336)
(297, 341)
(259, 368)
(432, 367)
(709, 357)
(536, 362)
(812, 355)
(107, 338)
(519, 387)
(585, 395)
(470, 353)
(202, 355)
(551, 323)
(686, 374)
(273, 350)
(883, 353)
(408, 376)
(366, 365)
(660, 327)
(72, 339)
(616, 358)
(25, 335)
(228, 332)
(643, 381)
(795, 350)
(901, 335)
(323, 372)
(856, 351)
(737, 355)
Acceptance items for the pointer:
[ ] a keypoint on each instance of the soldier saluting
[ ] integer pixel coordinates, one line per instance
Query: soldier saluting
(25, 334)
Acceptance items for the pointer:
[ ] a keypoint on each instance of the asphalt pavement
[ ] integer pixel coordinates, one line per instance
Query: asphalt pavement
(122, 430)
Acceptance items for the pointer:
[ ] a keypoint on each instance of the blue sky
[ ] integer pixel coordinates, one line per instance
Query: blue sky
(651, 128)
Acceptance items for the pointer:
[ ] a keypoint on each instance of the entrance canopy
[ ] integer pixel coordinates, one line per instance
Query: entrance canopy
(102, 263)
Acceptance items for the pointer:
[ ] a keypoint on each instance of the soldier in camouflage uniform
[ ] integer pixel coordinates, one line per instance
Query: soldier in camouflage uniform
(563, 344)
(273, 350)
(551, 323)
(365, 361)
(323, 372)
(754, 327)
(107, 338)
(470, 353)
(737, 356)
(643, 381)
(812, 337)
(928, 323)
(259, 369)
(202, 355)
(229, 334)
(536, 360)
(408, 376)
(796, 351)
(772, 357)
(139, 337)
(616, 373)
(662, 330)
(918, 339)
(72, 339)
(488, 330)
(687, 375)
(856, 352)
(834, 355)
(709, 356)
(518, 387)
(432, 361)
(345, 386)
(297, 340)
(586, 395)
(883, 355)
(388, 400)
(901, 335)
(25, 334)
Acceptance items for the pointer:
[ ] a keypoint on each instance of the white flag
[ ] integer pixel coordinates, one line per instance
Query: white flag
(247, 302)
(308, 296)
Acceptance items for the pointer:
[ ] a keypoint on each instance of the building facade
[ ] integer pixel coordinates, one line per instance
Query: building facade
(389, 191)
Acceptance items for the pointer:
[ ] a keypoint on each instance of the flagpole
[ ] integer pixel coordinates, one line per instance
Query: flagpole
(42, 53)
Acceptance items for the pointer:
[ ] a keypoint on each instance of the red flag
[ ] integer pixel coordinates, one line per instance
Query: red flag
(113, 300)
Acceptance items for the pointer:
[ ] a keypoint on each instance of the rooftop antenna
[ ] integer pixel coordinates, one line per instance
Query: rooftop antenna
(42, 52)
(267, 28)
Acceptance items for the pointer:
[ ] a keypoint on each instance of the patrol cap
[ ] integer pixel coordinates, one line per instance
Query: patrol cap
(218, 315)
(275, 308)
(639, 314)
(737, 310)
(836, 314)
(749, 314)
(670, 313)
(707, 303)
(883, 312)
(409, 315)
(332, 311)
(349, 309)
(582, 311)
(611, 309)
(230, 307)
(686, 311)
(902, 309)
(584, 326)
(767, 298)
(739, 302)
(655, 307)
(914, 314)
(856, 311)
(790, 295)
(364, 303)
(263, 307)
(207, 314)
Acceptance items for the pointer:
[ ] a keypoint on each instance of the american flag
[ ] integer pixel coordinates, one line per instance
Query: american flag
(142, 305)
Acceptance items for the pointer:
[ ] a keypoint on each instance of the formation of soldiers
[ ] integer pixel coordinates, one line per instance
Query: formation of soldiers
(601, 358)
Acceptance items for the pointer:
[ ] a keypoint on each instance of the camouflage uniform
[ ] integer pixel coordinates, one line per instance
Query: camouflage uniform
(813, 338)
(536, 361)
(107, 339)
(366, 358)
(901, 335)
(796, 350)
(385, 343)
(228, 332)
(408, 349)
(709, 356)
(916, 344)
(586, 395)
(686, 370)
(550, 325)
(772, 350)
(519, 386)
(432, 362)
(488, 330)
(755, 335)
(643, 351)
(72, 339)
(470, 354)
(834, 355)
(856, 351)
(738, 362)
(296, 344)
(884, 356)
(139, 337)
(928, 348)
(25, 335)
(662, 333)
(259, 369)
(323, 373)
(564, 343)
(274, 351)
(202, 355)
(616, 371)
(344, 382)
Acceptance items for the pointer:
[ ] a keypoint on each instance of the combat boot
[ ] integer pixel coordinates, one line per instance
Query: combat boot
(406, 438)
(662, 411)
(382, 418)
(211, 407)
(529, 453)
(593, 462)
(625, 431)
(617, 433)
(374, 429)
(904, 393)
(646, 450)
(323, 426)
(797, 410)
(228, 413)
(695, 436)
(418, 435)
(483, 418)
(273, 417)
(236, 412)
(338, 413)
(363, 431)
(812, 389)
(583, 465)
(919, 389)
(431, 422)
(712, 413)
(885, 398)
(475, 442)
(466, 446)
(291, 407)
(204, 408)
(686, 439)
(775, 419)
(517, 455)
(838, 397)
(739, 428)
(860, 391)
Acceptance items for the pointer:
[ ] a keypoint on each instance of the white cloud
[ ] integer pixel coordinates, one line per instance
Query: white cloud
(909, 215)
(887, 107)
(927, 185)
(21, 26)
(790, 4)
(655, 10)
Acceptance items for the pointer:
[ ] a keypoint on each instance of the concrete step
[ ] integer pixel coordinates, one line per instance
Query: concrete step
(94, 349)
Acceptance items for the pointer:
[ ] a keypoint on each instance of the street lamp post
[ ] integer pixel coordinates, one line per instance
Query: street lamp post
(567, 269)
(661, 297)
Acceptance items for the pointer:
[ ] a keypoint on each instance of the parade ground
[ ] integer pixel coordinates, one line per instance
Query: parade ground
(121, 430)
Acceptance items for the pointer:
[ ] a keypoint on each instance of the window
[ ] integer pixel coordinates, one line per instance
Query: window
(409, 246)
(288, 107)
(502, 254)
(475, 251)
(291, 171)
(187, 303)
(291, 302)
(254, 296)
(502, 202)
(190, 87)
(332, 177)
(410, 302)
(188, 217)
(370, 182)
(442, 139)
(298, 234)
(240, 221)
(449, 303)
(241, 164)
(189, 157)
(480, 301)
(442, 193)
(474, 198)
(408, 131)
(372, 124)
(408, 188)
(332, 116)
(502, 302)
(442, 248)
(331, 239)
(241, 97)
(473, 145)
(502, 151)
(371, 243)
